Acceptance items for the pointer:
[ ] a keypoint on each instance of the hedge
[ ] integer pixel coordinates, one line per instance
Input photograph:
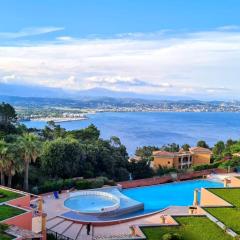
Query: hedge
(65, 184)
(206, 166)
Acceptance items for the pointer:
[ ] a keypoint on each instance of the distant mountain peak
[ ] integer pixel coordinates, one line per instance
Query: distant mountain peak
(47, 92)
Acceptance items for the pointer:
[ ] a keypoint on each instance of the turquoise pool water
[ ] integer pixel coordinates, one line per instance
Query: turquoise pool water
(155, 198)
(158, 197)
(89, 204)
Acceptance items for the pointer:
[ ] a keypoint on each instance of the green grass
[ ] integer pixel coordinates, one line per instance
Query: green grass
(190, 228)
(4, 236)
(8, 212)
(228, 215)
(8, 195)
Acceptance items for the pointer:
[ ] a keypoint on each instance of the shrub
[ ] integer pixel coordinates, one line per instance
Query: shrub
(167, 236)
(234, 162)
(206, 166)
(3, 227)
(165, 170)
(83, 184)
(64, 184)
(110, 182)
(171, 236)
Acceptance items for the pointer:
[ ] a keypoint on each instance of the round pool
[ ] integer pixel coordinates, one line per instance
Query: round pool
(92, 202)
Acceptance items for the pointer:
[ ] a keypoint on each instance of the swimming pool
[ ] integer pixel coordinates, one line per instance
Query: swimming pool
(158, 197)
(135, 202)
(92, 202)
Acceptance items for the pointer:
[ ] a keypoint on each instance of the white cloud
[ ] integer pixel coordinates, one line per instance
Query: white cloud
(26, 32)
(229, 28)
(191, 63)
(65, 38)
(9, 77)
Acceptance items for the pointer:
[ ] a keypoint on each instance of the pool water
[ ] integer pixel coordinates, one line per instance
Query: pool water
(89, 203)
(158, 197)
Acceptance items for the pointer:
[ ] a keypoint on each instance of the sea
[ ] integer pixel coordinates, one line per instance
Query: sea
(137, 129)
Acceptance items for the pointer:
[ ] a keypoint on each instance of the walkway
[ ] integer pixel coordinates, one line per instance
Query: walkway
(76, 231)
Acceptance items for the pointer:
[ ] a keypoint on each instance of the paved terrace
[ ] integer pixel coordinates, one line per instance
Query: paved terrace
(77, 231)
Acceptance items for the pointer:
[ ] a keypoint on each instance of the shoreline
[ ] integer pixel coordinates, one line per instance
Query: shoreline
(58, 120)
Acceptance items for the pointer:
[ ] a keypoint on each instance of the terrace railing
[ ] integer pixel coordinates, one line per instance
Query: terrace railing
(58, 236)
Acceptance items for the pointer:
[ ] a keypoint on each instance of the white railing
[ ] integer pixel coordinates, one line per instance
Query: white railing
(102, 194)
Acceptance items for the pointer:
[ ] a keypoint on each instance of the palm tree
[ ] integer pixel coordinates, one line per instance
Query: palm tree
(14, 163)
(3, 160)
(30, 149)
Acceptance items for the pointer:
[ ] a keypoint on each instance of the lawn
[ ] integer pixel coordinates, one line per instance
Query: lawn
(190, 228)
(228, 215)
(6, 195)
(4, 236)
(8, 212)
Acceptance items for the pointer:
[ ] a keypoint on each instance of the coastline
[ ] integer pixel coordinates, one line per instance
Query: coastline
(59, 119)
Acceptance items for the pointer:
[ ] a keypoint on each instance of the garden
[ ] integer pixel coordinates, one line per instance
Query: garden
(228, 215)
(190, 228)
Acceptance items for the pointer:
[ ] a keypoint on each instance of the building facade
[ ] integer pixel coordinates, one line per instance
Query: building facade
(182, 159)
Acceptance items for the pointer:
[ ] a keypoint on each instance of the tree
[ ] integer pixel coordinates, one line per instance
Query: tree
(3, 160)
(115, 141)
(91, 133)
(173, 147)
(7, 114)
(63, 158)
(202, 143)
(145, 151)
(53, 131)
(14, 163)
(30, 150)
(7, 119)
(140, 169)
(230, 143)
(186, 147)
(218, 149)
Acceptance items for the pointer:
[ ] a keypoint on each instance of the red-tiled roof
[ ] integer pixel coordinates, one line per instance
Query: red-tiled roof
(200, 149)
(181, 151)
(164, 153)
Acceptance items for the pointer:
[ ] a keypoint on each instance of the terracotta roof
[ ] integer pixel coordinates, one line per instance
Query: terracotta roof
(200, 149)
(164, 153)
(181, 151)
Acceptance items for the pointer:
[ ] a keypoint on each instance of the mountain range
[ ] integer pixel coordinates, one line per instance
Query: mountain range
(47, 92)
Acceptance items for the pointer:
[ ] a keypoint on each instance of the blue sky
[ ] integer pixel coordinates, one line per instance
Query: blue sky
(167, 47)
(81, 18)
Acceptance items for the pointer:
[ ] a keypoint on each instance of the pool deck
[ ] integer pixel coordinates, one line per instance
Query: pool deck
(58, 222)
(75, 230)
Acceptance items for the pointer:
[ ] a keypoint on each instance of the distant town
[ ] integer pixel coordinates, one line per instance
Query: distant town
(47, 109)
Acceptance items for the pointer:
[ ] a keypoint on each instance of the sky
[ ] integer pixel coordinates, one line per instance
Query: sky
(160, 47)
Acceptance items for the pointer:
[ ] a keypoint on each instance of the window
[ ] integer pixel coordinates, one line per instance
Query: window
(168, 162)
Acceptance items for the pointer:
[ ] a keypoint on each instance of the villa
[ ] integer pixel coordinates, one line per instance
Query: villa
(21, 215)
(182, 159)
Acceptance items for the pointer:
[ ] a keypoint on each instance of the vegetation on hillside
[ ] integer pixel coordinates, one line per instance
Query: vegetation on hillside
(41, 155)
(33, 159)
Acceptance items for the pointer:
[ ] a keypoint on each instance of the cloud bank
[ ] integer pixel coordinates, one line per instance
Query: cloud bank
(188, 64)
